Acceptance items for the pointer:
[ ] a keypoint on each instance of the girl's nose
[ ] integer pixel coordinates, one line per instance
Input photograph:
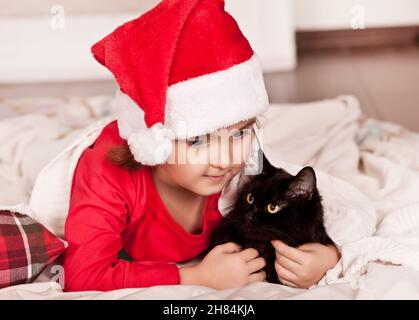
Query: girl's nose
(220, 164)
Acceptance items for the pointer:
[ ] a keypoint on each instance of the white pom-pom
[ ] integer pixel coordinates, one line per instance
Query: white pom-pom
(151, 146)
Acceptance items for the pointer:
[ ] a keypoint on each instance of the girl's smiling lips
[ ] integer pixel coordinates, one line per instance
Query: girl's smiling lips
(215, 178)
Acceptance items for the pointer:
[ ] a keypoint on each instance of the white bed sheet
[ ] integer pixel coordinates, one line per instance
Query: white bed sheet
(379, 282)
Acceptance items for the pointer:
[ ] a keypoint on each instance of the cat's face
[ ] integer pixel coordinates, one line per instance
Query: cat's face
(277, 205)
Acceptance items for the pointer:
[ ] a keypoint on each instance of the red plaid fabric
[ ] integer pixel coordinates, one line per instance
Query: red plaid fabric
(26, 248)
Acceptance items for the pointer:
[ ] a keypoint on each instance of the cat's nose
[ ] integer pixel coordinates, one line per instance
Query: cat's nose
(249, 216)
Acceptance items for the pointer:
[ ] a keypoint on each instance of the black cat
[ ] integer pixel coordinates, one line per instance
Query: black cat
(274, 205)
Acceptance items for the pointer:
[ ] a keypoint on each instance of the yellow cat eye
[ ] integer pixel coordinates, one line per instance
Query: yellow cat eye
(273, 208)
(249, 198)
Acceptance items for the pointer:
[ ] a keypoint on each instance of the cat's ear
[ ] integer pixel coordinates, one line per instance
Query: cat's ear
(268, 168)
(303, 184)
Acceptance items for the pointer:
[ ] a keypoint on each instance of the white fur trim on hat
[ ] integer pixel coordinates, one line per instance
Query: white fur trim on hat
(151, 146)
(194, 107)
(217, 100)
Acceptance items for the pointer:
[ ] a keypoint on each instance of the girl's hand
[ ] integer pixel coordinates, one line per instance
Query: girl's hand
(226, 266)
(304, 266)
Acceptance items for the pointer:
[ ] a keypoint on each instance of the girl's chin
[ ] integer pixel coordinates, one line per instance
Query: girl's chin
(209, 188)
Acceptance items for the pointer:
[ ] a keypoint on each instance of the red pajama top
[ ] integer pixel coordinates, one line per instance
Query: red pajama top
(112, 208)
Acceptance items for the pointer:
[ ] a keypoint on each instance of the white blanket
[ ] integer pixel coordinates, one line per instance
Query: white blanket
(368, 174)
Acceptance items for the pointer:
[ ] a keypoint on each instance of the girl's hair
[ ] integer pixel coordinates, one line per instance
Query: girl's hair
(122, 156)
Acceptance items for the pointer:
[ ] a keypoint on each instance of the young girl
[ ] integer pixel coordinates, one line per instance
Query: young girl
(144, 196)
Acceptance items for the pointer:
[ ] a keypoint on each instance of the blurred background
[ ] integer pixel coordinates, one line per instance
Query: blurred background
(310, 49)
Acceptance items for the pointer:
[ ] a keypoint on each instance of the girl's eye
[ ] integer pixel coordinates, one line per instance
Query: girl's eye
(198, 141)
(273, 208)
(240, 133)
(249, 198)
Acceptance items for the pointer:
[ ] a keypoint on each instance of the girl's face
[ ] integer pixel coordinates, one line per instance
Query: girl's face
(205, 164)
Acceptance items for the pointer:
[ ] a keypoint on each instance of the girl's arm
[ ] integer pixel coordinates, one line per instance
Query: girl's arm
(97, 218)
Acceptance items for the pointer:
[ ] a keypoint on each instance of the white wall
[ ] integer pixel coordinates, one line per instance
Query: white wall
(340, 14)
(269, 26)
(31, 7)
(35, 52)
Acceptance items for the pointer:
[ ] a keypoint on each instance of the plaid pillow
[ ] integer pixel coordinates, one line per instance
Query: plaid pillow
(26, 248)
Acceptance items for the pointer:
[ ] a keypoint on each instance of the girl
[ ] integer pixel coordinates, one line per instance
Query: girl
(145, 195)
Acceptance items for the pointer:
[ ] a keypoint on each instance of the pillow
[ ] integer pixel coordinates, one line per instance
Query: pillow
(26, 248)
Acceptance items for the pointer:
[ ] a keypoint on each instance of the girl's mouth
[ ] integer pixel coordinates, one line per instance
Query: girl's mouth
(215, 178)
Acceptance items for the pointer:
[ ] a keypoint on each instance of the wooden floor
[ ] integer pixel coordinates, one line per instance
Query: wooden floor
(385, 80)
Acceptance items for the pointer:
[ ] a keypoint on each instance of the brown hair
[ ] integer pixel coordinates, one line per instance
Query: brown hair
(121, 156)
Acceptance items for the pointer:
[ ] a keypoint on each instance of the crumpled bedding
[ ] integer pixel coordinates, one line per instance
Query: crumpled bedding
(380, 282)
(380, 159)
(35, 130)
(368, 174)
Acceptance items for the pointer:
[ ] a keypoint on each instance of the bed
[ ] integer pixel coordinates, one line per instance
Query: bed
(369, 167)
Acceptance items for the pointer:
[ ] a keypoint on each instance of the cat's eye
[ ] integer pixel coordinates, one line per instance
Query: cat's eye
(249, 198)
(273, 208)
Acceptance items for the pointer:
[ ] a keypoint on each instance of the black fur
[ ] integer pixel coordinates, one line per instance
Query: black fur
(300, 220)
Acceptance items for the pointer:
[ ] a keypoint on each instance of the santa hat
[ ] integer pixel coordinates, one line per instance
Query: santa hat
(184, 69)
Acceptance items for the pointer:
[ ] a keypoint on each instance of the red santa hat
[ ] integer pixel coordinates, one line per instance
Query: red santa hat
(184, 69)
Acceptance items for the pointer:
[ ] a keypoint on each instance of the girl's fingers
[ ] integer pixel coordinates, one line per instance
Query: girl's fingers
(287, 283)
(285, 274)
(289, 264)
(291, 253)
(249, 254)
(307, 247)
(256, 265)
(258, 276)
(230, 247)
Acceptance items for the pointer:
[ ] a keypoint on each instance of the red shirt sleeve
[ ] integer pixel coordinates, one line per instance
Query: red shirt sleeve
(101, 196)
